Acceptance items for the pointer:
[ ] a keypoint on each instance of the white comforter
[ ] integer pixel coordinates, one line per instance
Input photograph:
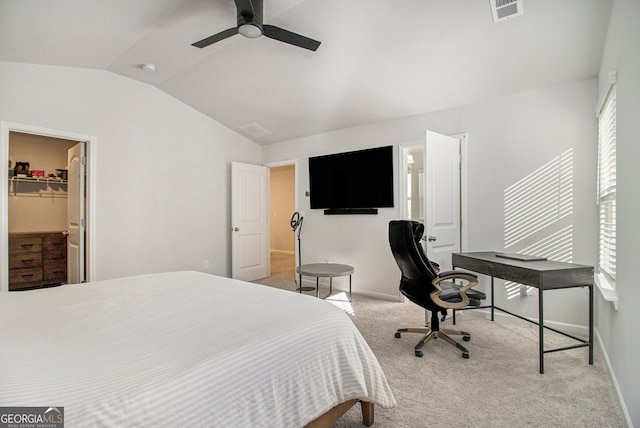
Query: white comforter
(182, 349)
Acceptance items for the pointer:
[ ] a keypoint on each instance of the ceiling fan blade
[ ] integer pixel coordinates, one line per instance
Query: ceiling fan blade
(287, 36)
(215, 38)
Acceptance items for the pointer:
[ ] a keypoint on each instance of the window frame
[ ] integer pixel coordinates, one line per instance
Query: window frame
(607, 192)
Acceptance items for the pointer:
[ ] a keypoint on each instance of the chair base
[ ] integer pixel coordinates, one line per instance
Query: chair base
(436, 334)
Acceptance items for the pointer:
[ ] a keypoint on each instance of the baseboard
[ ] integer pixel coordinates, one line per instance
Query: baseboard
(623, 406)
(288, 253)
(380, 296)
(324, 284)
(575, 329)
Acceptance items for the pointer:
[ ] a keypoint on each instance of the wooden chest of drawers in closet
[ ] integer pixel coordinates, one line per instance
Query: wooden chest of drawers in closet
(37, 259)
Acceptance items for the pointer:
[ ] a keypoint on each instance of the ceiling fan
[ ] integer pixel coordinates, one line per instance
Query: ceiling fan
(250, 25)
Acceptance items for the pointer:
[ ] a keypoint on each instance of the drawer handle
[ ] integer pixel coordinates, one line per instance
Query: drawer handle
(57, 244)
(25, 246)
(27, 275)
(58, 272)
(27, 261)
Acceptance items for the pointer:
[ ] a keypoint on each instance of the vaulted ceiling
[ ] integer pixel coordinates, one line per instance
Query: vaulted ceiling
(379, 59)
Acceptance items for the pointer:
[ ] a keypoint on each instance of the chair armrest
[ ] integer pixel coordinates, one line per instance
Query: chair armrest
(469, 280)
(436, 266)
(452, 273)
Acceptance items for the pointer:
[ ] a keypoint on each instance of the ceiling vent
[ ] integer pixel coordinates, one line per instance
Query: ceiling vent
(255, 130)
(505, 9)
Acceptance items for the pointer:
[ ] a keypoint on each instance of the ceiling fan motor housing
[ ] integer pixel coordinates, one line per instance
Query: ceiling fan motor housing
(250, 21)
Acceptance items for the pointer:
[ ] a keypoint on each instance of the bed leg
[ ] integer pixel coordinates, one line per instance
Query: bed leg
(367, 413)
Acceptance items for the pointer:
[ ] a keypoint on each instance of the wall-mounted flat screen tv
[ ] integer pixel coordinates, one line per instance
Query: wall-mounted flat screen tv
(352, 182)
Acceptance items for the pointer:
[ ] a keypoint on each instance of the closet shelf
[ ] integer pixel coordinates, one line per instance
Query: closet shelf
(37, 180)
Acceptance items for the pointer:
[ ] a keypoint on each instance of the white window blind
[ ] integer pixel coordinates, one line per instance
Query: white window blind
(607, 185)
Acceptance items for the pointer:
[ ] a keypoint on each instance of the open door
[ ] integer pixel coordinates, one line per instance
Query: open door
(443, 234)
(76, 222)
(249, 221)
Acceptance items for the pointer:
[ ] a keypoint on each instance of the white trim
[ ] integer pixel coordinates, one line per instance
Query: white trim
(607, 289)
(402, 182)
(377, 295)
(282, 163)
(4, 211)
(464, 171)
(613, 77)
(285, 252)
(5, 128)
(343, 286)
(270, 165)
(570, 328)
(625, 411)
(293, 162)
(605, 284)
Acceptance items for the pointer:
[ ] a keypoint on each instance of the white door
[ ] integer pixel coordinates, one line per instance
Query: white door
(249, 221)
(76, 214)
(442, 219)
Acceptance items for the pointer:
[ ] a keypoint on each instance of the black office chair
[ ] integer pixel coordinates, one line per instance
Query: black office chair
(436, 292)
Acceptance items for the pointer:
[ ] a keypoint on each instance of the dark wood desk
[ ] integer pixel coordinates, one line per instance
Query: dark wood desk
(543, 275)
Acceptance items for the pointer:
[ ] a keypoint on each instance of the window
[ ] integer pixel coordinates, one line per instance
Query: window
(607, 186)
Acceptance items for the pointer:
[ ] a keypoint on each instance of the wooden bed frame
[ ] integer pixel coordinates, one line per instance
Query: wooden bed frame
(326, 420)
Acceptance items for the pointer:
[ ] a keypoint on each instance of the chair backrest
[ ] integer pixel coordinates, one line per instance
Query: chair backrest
(417, 271)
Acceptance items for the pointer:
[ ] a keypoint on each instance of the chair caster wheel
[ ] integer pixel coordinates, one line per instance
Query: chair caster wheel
(465, 355)
(398, 335)
(466, 338)
(419, 354)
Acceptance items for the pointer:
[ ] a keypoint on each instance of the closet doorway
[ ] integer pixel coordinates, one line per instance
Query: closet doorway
(36, 207)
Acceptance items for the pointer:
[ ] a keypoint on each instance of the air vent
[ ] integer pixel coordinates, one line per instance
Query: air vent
(505, 9)
(255, 130)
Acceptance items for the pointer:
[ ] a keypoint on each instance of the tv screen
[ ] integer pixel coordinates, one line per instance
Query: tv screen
(352, 180)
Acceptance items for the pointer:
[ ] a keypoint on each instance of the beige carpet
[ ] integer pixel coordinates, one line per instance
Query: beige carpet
(498, 386)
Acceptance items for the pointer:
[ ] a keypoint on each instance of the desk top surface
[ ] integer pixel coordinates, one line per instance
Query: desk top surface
(540, 265)
(324, 269)
(538, 273)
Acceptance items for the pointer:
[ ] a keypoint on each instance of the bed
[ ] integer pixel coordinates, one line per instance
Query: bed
(185, 349)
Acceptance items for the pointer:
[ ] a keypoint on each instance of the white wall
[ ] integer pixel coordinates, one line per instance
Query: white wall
(618, 329)
(163, 169)
(513, 137)
(508, 138)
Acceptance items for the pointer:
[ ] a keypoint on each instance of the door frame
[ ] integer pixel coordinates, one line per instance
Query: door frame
(91, 154)
(270, 165)
(403, 159)
(464, 164)
(464, 149)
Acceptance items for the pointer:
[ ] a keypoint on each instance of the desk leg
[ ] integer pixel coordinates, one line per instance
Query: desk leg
(591, 324)
(317, 286)
(541, 328)
(349, 287)
(492, 301)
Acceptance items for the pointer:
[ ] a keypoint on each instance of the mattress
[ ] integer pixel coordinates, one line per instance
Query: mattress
(182, 349)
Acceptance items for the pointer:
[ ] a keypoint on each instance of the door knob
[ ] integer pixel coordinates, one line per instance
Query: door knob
(431, 238)
(65, 232)
(235, 229)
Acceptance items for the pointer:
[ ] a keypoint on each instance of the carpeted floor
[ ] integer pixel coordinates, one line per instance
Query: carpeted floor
(498, 386)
